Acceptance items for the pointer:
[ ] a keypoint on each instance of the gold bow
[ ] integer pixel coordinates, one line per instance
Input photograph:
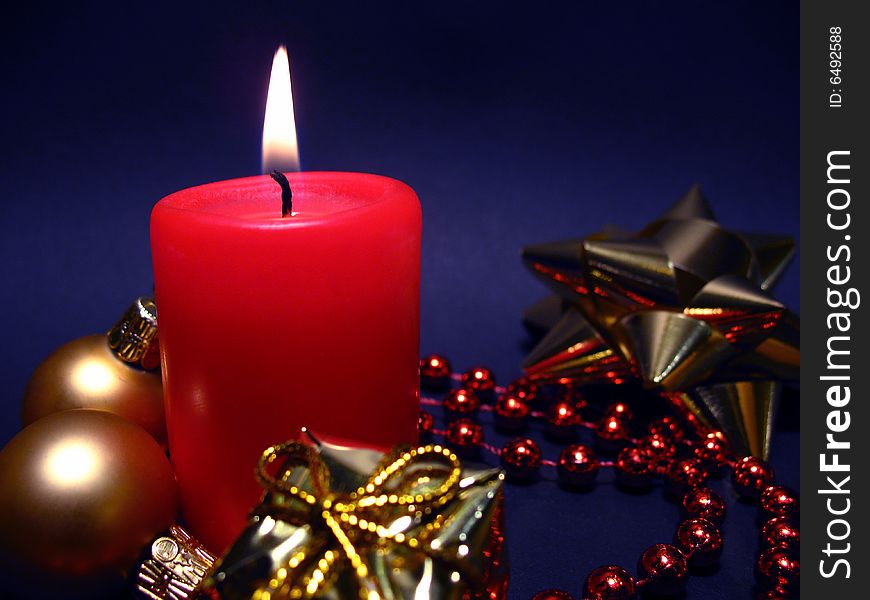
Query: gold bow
(684, 306)
(357, 518)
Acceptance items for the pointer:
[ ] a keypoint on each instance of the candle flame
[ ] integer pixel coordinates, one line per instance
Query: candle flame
(280, 150)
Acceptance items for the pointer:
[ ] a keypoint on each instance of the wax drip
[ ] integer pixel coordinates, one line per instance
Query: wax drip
(286, 192)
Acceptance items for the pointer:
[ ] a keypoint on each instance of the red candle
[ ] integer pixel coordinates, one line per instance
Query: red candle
(271, 323)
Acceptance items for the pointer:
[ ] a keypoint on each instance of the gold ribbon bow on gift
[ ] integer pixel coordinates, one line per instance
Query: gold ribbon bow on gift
(406, 484)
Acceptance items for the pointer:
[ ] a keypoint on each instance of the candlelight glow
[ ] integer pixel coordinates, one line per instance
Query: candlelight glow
(279, 126)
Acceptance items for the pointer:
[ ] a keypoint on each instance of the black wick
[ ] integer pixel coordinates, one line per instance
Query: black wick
(286, 192)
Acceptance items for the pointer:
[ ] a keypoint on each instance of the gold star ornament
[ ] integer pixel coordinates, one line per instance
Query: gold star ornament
(684, 306)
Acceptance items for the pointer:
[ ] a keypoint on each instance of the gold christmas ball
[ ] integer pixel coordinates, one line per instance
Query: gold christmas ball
(82, 493)
(86, 373)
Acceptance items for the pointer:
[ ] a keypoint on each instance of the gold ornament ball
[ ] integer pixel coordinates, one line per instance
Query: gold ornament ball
(84, 373)
(82, 493)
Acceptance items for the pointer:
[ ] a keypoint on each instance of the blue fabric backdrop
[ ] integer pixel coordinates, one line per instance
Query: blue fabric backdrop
(515, 123)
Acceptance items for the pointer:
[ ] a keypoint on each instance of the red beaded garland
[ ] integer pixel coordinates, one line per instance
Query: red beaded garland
(561, 420)
(668, 427)
(659, 447)
(609, 582)
(662, 570)
(465, 436)
(570, 393)
(461, 403)
(481, 381)
(610, 433)
(779, 501)
(704, 503)
(425, 422)
(774, 594)
(510, 412)
(523, 389)
(751, 476)
(780, 531)
(435, 372)
(716, 434)
(619, 410)
(634, 469)
(700, 541)
(711, 451)
(778, 568)
(552, 595)
(521, 459)
(578, 466)
(683, 475)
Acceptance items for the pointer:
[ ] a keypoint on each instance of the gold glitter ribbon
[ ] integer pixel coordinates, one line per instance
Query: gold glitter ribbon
(358, 520)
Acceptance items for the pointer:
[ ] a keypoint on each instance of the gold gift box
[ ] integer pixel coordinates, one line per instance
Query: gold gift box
(338, 522)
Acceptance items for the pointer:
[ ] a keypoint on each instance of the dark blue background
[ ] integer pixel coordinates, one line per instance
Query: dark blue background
(515, 123)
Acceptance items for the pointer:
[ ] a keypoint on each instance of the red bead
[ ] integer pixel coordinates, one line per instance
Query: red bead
(425, 422)
(578, 466)
(510, 412)
(659, 447)
(683, 475)
(779, 568)
(552, 595)
(666, 426)
(435, 372)
(610, 434)
(634, 469)
(751, 476)
(461, 403)
(776, 593)
(700, 541)
(663, 570)
(704, 503)
(780, 531)
(715, 433)
(609, 583)
(712, 451)
(523, 389)
(465, 436)
(718, 435)
(561, 421)
(569, 392)
(779, 501)
(619, 410)
(481, 381)
(425, 427)
(521, 459)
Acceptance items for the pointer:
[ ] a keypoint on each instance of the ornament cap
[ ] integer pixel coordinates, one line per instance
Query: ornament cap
(176, 566)
(133, 339)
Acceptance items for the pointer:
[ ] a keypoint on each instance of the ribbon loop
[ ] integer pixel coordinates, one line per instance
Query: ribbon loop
(407, 482)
